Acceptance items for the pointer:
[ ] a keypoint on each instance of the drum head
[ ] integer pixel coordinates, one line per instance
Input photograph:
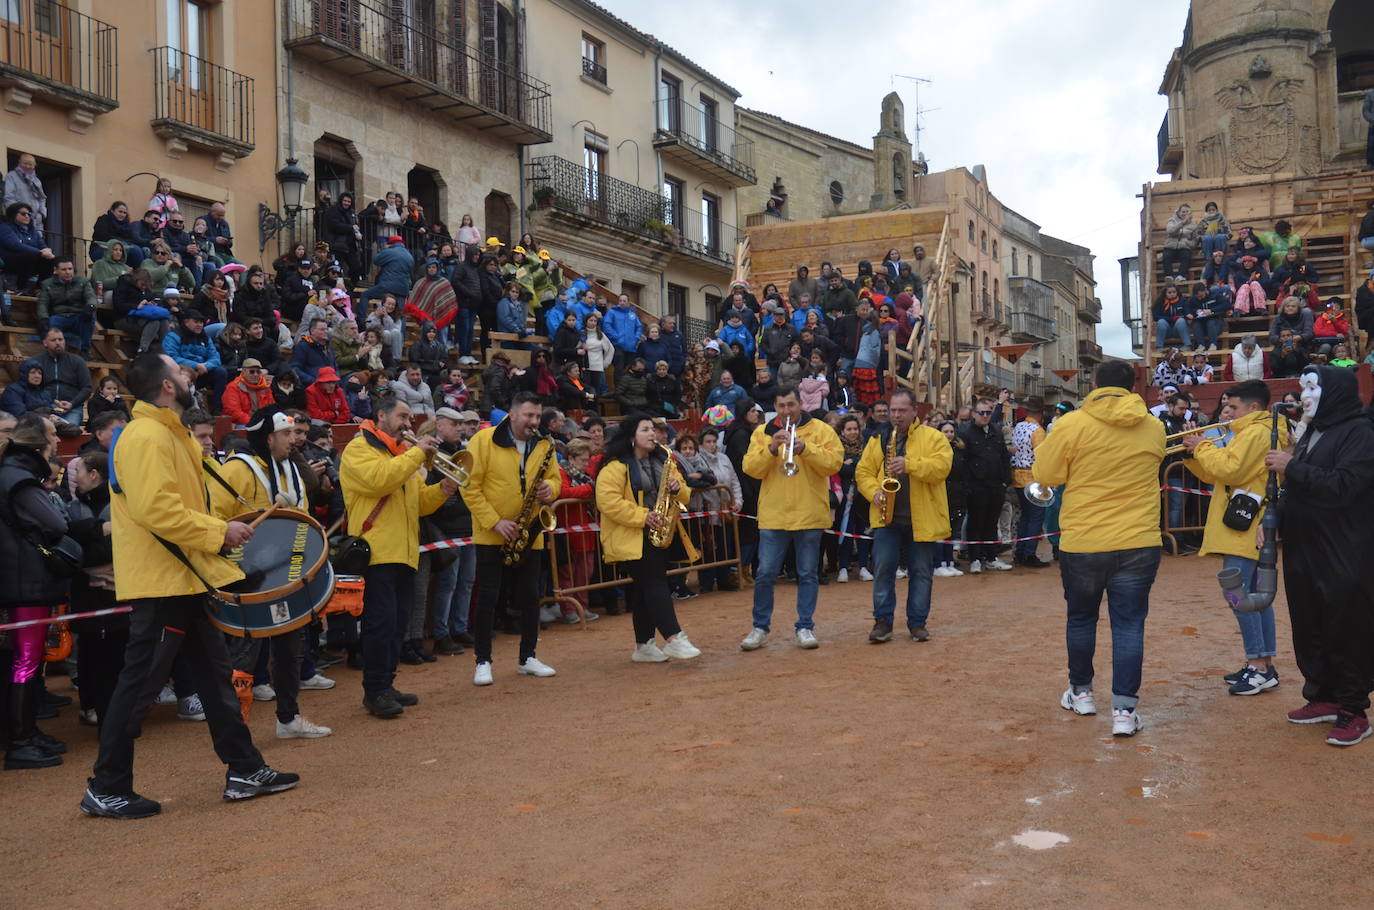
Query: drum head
(286, 551)
(261, 620)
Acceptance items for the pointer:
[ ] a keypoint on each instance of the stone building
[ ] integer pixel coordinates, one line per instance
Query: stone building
(807, 174)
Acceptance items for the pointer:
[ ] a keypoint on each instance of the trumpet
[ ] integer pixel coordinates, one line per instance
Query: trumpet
(1212, 431)
(789, 458)
(456, 467)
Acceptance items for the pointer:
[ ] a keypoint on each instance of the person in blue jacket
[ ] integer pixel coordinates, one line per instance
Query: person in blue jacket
(583, 305)
(623, 327)
(553, 316)
(727, 393)
(395, 265)
(734, 330)
(677, 344)
(654, 348)
(26, 393)
(512, 312)
(806, 305)
(190, 347)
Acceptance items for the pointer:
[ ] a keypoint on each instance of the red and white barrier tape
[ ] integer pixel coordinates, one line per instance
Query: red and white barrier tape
(455, 542)
(65, 617)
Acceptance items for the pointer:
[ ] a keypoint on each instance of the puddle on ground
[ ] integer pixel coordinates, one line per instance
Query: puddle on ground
(1039, 840)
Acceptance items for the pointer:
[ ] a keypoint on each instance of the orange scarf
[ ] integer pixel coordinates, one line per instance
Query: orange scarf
(393, 445)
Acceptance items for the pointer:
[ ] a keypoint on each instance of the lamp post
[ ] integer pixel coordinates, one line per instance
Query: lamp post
(292, 181)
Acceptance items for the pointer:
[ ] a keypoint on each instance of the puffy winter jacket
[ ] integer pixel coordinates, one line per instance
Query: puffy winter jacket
(190, 350)
(623, 327)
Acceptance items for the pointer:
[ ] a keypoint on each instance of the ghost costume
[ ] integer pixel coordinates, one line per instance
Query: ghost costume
(1327, 526)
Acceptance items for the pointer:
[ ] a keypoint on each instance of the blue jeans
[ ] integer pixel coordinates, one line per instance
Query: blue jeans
(1126, 577)
(1208, 329)
(453, 594)
(1179, 325)
(773, 546)
(1176, 501)
(462, 331)
(1256, 629)
(1211, 243)
(854, 548)
(83, 327)
(890, 544)
(1028, 525)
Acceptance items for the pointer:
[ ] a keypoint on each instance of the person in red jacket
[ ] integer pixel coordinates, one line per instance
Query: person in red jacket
(252, 389)
(324, 400)
(1332, 325)
(576, 550)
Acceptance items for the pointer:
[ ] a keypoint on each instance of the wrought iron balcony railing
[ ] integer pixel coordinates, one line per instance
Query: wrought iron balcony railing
(693, 135)
(202, 103)
(593, 70)
(1089, 350)
(66, 55)
(1090, 310)
(698, 234)
(410, 59)
(1032, 327)
(560, 184)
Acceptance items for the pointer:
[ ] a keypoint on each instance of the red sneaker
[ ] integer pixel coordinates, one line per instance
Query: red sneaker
(1314, 712)
(1349, 729)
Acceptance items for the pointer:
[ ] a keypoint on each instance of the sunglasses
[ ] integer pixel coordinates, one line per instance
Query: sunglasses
(176, 222)
(983, 413)
(24, 212)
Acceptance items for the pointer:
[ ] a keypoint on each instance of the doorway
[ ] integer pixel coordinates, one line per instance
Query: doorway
(59, 228)
(422, 185)
(496, 217)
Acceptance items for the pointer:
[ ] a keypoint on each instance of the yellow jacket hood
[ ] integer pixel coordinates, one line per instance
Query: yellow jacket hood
(1117, 407)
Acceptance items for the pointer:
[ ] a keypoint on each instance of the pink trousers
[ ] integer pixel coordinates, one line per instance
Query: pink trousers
(28, 643)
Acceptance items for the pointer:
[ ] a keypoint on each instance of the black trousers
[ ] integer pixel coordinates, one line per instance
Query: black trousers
(649, 597)
(388, 593)
(286, 666)
(159, 628)
(99, 660)
(1330, 640)
(984, 508)
(521, 583)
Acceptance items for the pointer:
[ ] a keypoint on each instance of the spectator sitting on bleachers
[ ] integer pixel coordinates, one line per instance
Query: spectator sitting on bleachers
(1249, 276)
(573, 393)
(496, 382)
(359, 400)
(212, 301)
(1332, 323)
(312, 352)
(454, 392)
(728, 393)
(106, 398)
(1200, 371)
(22, 184)
(631, 387)
(220, 236)
(1247, 361)
(167, 270)
(1180, 239)
(190, 347)
(345, 344)
(139, 310)
(1295, 317)
(256, 299)
(333, 305)
(1210, 309)
(664, 391)
(386, 319)
(67, 301)
(1297, 278)
(1172, 370)
(114, 225)
(263, 348)
(26, 393)
(414, 391)
(250, 391)
(324, 400)
(1340, 356)
(1279, 241)
(288, 391)
(1290, 355)
(429, 354)
(232, 344)
(148, 231)
(107, 269)
(25, 254)
(297, 288)
(764, 391)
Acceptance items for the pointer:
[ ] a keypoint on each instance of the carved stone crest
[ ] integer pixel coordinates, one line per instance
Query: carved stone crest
(1263, 134)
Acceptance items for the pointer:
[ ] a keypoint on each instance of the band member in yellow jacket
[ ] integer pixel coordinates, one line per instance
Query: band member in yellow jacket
(1107, 453)
(627, 490)
(166, 554)
(385, 494)
(508, 460)
(920, 517)
(1235, 465)
(794, 508)
(266, 476)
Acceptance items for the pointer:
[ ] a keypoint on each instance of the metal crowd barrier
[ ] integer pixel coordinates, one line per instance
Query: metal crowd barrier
(1180, 478)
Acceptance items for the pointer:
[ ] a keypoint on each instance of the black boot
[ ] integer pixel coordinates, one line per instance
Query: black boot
(38, 695)
(23, 751)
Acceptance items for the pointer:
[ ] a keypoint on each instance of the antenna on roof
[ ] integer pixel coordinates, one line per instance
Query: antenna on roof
(916, 117)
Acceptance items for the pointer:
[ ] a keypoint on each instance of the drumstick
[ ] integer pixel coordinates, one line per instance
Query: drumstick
(280, 501)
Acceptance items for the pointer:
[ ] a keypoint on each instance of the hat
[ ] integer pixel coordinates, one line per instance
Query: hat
(544, 254)
(171, 292)
(251, 363)
(1167, 386)
(326, 374)
(717, 415)
(233, 268)
(306, 263)
(1335, 301)
(448, 414)
(395, 238)
(519, 249)
(338, 294)
(469, 417)
(493, 242)
(501, 355)
(712, 345)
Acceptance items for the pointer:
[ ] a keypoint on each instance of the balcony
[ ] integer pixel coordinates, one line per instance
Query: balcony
(1089, 351)
(423, 72)
(982, 307)
(594, 71)
(570, 189)
(998, 377)
(60, 55)
(1170, 143)
(1090, 310)
(1032, 328)
(692, 233)
(1032, 310)
(202, 104)
(691, 136)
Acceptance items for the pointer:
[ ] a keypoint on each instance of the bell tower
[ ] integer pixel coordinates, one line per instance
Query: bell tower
(891, 156)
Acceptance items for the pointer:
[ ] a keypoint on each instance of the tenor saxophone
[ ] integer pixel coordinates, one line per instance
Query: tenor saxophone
(666, 506)
(531, 511)
(891, 486)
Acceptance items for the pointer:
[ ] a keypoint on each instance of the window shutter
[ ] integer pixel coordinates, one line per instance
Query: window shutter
(490, 62)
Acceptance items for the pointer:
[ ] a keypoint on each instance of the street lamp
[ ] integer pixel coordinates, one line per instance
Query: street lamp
(292, 181)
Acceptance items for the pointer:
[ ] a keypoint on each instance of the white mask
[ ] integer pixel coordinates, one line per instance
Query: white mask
(1311, 394)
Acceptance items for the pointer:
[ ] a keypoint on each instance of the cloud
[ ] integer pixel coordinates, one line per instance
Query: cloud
(1058, 98)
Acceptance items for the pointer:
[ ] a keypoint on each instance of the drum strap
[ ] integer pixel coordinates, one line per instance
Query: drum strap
(295, 493)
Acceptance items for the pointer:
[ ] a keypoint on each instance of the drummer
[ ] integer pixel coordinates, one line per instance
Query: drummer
(260, 479)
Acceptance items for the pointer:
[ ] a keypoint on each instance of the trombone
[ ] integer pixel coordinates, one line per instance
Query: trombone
(1213, 431)
(454, 467)
(789, 458)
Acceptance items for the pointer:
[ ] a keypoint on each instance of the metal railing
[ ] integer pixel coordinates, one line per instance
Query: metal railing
(420, 54)
(999, 377)
(593, 70)
(693, 128)
(559, 183)
(1091, 308)
(1168, 139)
(71, 54)
(691, 232)
(1033, 325)
(208, 98)
(1089, 350)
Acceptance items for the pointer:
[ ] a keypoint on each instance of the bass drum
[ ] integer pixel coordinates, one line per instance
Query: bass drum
(288, 577)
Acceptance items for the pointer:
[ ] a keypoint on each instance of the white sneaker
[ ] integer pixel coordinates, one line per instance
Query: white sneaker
(573, 619)
(999, 565)
(975, 567)
(865, 575)
(264, 693)
(679, 648)
(648, 653)
(1125, 722)
(1078, 702)
(533, 666)
(88, 718)
(955, 570)
(807, 639)
(482, 677)
(318, 681)
(190, 708)
(300, 728)
(901, 573)
(754, 640)
(166, 696)
(843, 577)
(549, 613)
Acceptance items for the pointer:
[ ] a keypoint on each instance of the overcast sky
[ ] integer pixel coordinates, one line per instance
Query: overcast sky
(1057, 98)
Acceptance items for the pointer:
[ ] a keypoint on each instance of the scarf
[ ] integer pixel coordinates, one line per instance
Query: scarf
(393, 445)
(853, 449)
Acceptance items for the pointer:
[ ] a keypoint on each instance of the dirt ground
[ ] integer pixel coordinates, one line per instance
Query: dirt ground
(856, 775)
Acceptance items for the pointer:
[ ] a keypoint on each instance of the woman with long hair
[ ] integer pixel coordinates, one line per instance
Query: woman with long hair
(100, 652)
(626, 490)
(748, 416)
(956, 491)
(851, 517)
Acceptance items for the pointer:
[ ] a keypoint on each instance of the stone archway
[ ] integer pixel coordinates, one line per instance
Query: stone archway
(496, 217)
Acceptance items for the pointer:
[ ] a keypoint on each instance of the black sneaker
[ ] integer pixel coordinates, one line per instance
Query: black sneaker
(24, 754)
(262, 781)
(324, 660)
(57, 701)
(684, 594)
(49, 744)
(404, 699)
(382, 705)
(882, 631)
(1232, 678)
(447, 646)
(465, 638)
(426, 656)
(919, 633)
(410, 656)
(112, 805)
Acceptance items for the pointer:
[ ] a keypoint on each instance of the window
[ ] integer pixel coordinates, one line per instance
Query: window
(710, 222)
(836, 192)
(669, 104)
(1014, 260)
(1030, 270)
(983, 241)
(898, 175)
(972, 237)
(674, 191)
(712, 308)
(709, 123)
(593, 58)
(594, 148)
(188, 31)
(994, 249)
(677, 303)
(631, 290)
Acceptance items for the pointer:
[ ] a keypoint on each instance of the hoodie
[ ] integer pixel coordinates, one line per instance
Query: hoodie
(1111, 501)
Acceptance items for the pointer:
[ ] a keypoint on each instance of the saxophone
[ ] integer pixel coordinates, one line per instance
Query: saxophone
(531, 511)
(891, 486)
(666, 506)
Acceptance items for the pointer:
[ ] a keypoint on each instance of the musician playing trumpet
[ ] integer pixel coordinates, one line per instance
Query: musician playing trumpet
(793, 455)
(385, 495)
(512, 466)
(639, 492)
(908, 520)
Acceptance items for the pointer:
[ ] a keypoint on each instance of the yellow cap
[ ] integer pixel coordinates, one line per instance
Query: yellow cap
(519, 249)
(544, 254)
(492, 241)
